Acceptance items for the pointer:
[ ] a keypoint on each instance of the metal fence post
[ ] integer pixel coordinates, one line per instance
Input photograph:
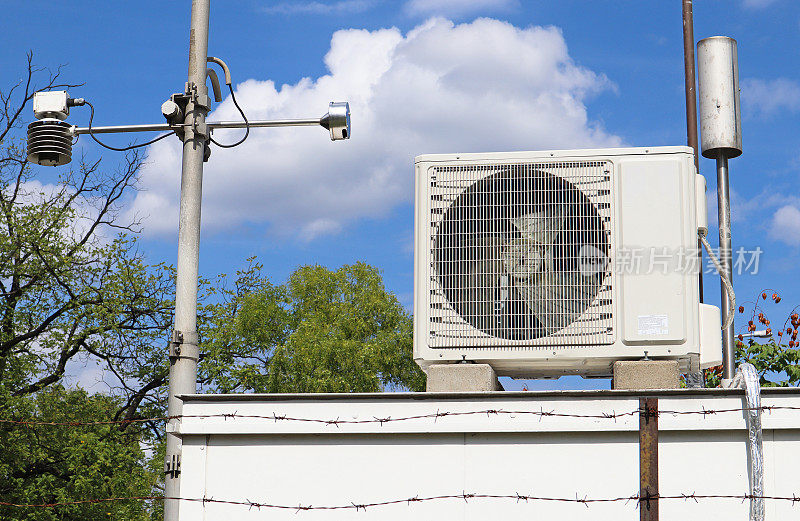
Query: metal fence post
(648, 459)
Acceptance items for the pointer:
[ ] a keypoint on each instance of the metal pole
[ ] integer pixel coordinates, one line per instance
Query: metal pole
(691, 106)
(164, 127)
(266, 124)
(115, 129)
(724, 212)
(183, 344)
(648, 459)
(688, 66)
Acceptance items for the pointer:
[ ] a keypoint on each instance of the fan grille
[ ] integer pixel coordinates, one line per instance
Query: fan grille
(520, 255)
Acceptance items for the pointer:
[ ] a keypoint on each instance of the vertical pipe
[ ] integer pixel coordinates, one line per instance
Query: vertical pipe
(184, 349)
(688, 66)
(724, 212)
(691, 107)
(648, 459)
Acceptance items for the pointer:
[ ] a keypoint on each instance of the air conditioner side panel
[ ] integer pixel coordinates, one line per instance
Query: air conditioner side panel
(652, 206)
(421, 256)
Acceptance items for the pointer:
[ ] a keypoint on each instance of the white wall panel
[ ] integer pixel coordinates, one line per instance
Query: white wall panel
(301, 463)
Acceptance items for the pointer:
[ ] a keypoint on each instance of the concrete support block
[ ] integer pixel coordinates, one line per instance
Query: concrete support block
(646, 374)
(462, 377)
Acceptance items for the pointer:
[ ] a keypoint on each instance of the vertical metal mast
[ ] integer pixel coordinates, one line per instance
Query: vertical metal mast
(725, 254)
(183, 344)
(691, 104)
(688, 65)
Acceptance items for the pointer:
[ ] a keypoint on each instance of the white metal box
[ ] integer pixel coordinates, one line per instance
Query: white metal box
(51, 104)
(560, 262)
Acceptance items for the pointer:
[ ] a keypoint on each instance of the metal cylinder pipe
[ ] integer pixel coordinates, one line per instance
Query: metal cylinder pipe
(724, 213)
(116, 129)
(266, 124)
(720, 110)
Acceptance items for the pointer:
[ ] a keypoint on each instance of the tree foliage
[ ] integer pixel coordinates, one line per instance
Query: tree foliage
(72, 283)
(777, 359)
(54, 464)
(323, 331)
(73, 287)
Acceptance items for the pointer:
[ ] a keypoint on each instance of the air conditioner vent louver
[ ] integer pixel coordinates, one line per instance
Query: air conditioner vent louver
(520, 254)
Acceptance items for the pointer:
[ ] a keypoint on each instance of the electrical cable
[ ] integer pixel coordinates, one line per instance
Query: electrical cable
(131, 147)
(725, 282)
(246, 124)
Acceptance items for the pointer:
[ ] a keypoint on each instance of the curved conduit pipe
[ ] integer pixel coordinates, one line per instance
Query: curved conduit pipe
(747, 378)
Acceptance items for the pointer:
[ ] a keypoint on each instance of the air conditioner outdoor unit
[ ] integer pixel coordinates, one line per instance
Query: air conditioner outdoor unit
(561, 262)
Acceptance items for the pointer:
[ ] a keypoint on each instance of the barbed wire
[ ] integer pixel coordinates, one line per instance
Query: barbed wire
(637, 499)
(274, 417)
(435, 416)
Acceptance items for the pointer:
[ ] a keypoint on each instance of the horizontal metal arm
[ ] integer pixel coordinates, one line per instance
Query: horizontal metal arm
(160, 127)
(273, 123)
(164, 127)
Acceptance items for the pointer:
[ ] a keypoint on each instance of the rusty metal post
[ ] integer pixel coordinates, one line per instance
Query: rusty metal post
(648, 459)
(689, 74)
(691, 104)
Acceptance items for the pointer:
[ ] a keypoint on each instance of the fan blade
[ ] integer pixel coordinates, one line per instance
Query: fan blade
(489, 295)
(542, 226)
(479, 289)
(558, 299)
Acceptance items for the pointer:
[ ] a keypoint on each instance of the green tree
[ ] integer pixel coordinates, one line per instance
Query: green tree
(72, 283)
(47, 464)
(778, 359)
(322, 331)
(73, 287)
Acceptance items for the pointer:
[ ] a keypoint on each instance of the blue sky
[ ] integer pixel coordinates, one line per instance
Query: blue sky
(423, 76)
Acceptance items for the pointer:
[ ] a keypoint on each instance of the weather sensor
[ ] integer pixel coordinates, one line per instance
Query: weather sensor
(337, 120)
(50, 137)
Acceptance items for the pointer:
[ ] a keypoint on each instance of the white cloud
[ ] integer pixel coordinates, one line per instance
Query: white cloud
(769, 97)
(482, 86)
(456, 7)
(87, 374)
(341, 7)
(785, 225)
(84, 210)
(757, 4)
